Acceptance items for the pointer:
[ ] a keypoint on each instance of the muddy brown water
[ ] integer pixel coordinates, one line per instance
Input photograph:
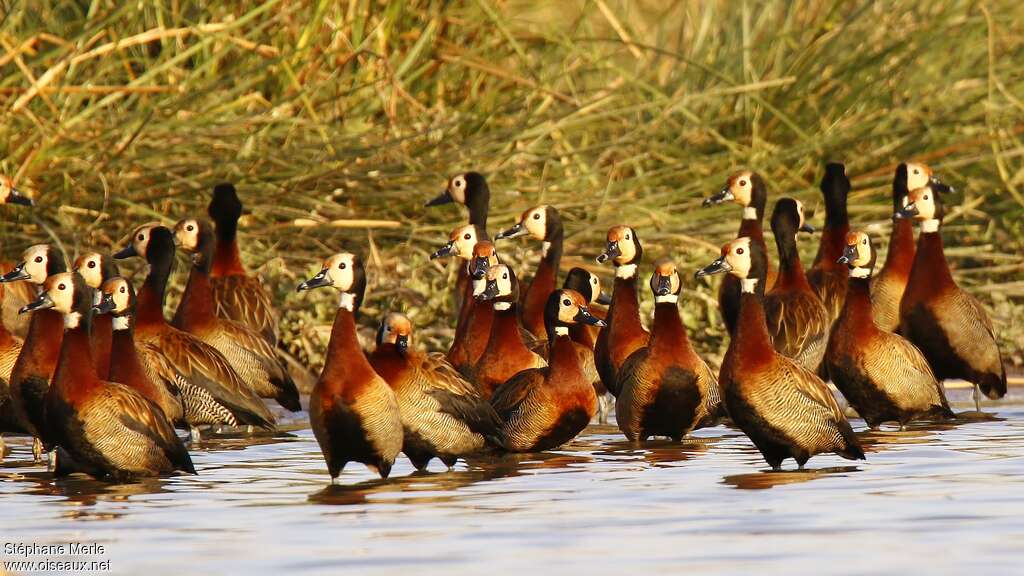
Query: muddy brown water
(937, 499)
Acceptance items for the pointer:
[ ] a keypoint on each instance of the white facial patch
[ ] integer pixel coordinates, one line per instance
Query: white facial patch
(626, 271)
(930, 225)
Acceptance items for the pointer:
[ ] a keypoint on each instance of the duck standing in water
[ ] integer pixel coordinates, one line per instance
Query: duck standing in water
(827, 277)
(543, 408)
(352, 410)
(95, 269)
(469, 189)
(947, 324)
(588, 285)
(882, 375)
(471, 334)
(541, 223)
(108, 429)
(443, 416)
(625, 334)
(13, 296)
(665, 388)
(785, 410)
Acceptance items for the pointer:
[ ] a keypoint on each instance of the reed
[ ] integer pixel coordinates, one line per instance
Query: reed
(337, 120)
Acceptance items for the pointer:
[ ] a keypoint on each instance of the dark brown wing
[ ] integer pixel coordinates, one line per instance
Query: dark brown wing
(244, 299)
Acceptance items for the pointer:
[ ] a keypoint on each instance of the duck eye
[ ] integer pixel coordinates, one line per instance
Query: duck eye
(39, 259)
(566, 302)
(593, 281)
(504, 276)
(627, 236)
(864, 241)
(91, 264)
(190, 228)
(142, 237)
(536, 216)
(467, 236)
(61, 286)
(916, 171)
(743, 182)
(739, 250)
(342, 266)
(122, 290)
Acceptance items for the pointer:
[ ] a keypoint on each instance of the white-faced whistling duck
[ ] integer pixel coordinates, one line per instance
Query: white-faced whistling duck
(506, 353)
(947, 324)
(461, 242)
(14, 296)
(888, 285)
(142, 364)
(200, 363)
(543, 408)
(470, 190)
(541, 223)
(881, 374)
(95, 269)
(10, 349)
(797, 320)
(108, 429)
(748, 189)
(624, 334)
(245, 348)
(30, 377)
(237, 295)
(117, 302)
(785, 410)
(588, 285)
(827, 277)
(443, 416)
(352, 410)
(665, 388)
(472, 332)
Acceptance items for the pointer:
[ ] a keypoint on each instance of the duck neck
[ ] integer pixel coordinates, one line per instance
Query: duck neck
(900, 257)
(930, 266)
(344, 355)
(625, 307)
(833, 242)
(196, 309)
(857, 307)
(505, 336)
(668, 336)
(128, 367)
(75, 367)
(552, 251)
(563, 359)
(791, 270)
(751, 340)
(479, 205)
(150, 304)
(42, 342)
(751, 227)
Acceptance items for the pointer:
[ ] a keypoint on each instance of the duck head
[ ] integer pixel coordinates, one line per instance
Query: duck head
(501, 287)
(622, 247)
(743, 259)
(67, 293)
(396, 329)
(95, 268)
(117, 297)
(138, 242)
(344, 272)
(469, 189)
(788, 217)
(858, 254)
(588, 284)
(484, 256)
(563, 309)
(925, 204)
(11, 195)
(540, 223)
(38, 262)
(195, 236)
(745, 188)
(665, 282)
(460, 243)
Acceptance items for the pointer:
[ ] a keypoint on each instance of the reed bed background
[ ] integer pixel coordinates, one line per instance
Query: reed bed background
(338, 120)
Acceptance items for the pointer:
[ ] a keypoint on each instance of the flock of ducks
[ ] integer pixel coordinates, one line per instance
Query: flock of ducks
(100, 378)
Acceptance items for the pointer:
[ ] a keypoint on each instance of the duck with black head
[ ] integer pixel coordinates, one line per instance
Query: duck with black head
(882, 375)
(30, 377)
(198, 362)
(625, 333)
(797, 320)
(543, 408)
(95, 269)
(949, 325)
(472, 332)
(749, 190)
(460, 245)
(666, 388)
(443, 415)
(108, 429)
(785, 410)
(250, 355)
(506, 352)
(588, 285)
(144, 368)
(827, 277)
(888, 285)
(237, 295)
(352, 410)
(545, 224)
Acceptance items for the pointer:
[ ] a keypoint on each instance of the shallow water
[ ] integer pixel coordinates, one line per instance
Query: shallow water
(933, 498)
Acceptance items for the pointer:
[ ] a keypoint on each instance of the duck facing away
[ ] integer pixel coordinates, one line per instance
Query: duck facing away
(888, 285)
(543, 408)
(882, 375)
(541, 223)
(748, 189)
(237, 295)
(624, 334)
(352, 410)
(506, 353)
(443, 416)
(785, 410)
(665, 388)
(827, 276)
(797, 320)
(947, 324)
(108, 429)
(198, 362)
(249, 354)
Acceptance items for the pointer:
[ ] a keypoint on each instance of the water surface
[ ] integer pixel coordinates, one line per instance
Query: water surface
(942, 499)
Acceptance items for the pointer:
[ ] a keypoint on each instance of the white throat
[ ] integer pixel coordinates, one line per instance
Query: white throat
(930, 225)
(749, 285)
(670, 298)
(502, 305)
(479, 285)
(626, 271)
(72, 319)
(749, 213)
(860, 272)
(561, 330)
(120, 322)
(544, 248)
(348, 301)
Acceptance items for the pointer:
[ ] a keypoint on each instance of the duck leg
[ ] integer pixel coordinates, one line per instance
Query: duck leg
(977, 398)
(3, 448)
(193, 434)
(37, 450)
